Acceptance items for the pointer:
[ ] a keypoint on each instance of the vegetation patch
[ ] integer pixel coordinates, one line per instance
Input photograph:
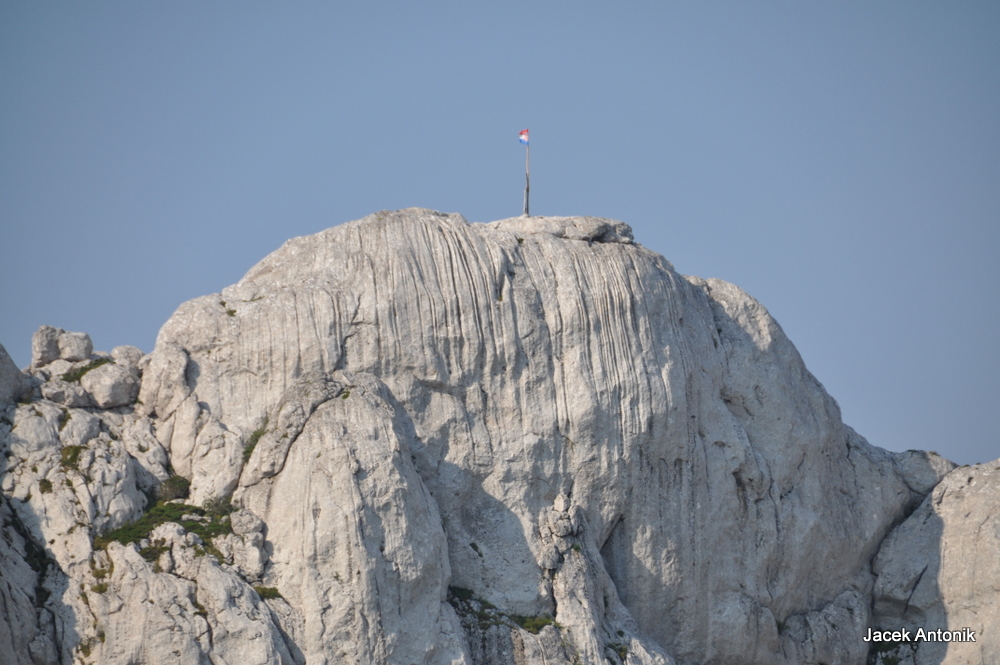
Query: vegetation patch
(486, 614)
(267, 592)
(160, 514)
(219, 507)
(74, 375)
(155, 549)
(44, 485)
(64, 418)
(69, 457)
(174, 487)
(533, 624)
(252, 441)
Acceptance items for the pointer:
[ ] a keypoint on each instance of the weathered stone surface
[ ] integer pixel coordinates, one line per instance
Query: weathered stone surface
(67, 393)
(164, 386)
(111, 385)
(74, 346)
(26, 630)
(127, 356)
(45, 345)
(527, 442)
(551, 356)
(13, 383)
(940, 570)
(375, 533)
(195, 614)
(591, 229)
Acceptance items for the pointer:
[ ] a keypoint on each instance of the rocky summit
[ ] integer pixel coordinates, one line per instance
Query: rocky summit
(413, 440)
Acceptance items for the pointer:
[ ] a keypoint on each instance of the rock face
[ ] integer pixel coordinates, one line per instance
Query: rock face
(940, 569)
(529, 441)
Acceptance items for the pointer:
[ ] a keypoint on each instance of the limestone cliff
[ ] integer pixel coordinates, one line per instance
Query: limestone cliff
(410, 439)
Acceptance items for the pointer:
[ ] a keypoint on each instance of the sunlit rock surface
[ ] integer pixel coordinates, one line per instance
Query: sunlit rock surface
(529, 441)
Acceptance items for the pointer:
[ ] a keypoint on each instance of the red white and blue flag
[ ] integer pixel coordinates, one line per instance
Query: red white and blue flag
(524, 136)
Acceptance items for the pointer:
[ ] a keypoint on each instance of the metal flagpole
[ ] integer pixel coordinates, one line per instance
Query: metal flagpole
(523, 136)
(527, 177)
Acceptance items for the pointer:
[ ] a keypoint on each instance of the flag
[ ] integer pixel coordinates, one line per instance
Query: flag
(524, 136)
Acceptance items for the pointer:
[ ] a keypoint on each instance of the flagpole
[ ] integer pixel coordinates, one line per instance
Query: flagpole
(527, 176)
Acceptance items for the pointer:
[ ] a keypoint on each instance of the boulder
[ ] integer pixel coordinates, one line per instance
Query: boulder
(67, 393)
(45, 345)
(74, 346)
(127, 356)
(111, 385)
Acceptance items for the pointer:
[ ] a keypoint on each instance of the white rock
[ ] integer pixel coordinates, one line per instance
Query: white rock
(45, 345)
(77, 427)
(142, 445)
(374, 534)
(111, 385)
(537, 410)
(245, 522)
(939, 569)
(164, 384)
(533, 358)
(127, 356)
(67, 393)
(74, 346)
(591, 229)
(13, 383)
(24, 639)
(36, 428)
(216, 462)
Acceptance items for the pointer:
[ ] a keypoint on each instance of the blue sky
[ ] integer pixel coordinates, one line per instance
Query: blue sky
(839, 161)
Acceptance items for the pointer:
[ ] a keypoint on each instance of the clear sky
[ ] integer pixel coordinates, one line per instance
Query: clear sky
(839, 161)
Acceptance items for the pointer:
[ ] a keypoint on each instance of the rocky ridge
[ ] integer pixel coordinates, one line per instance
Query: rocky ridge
(410, 439)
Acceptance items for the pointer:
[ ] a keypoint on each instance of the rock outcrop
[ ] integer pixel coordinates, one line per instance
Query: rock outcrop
(529, 441)
(940, 570)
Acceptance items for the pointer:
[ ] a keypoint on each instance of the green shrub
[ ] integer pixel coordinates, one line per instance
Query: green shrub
(532, 624)
(267, 592)
(44, 485)
(165, 512)
(74, 375)
(252, 441)
(174, 487)
(219, 507)
(70, 457)
(101, 587)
